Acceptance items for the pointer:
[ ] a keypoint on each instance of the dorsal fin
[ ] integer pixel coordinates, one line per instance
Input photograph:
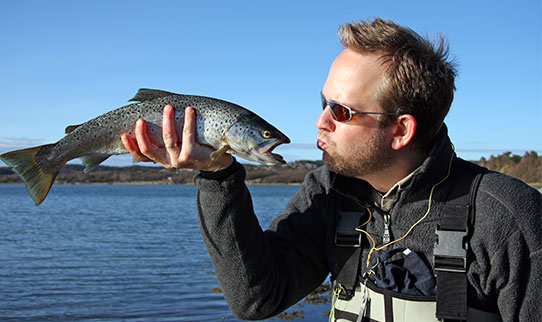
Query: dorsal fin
(146, 94)
(69, 129)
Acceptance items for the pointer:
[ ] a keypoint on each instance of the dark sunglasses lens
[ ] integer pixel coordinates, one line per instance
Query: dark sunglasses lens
(339, 112)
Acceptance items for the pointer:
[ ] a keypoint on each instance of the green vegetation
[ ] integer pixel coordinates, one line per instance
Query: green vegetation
(527, 168)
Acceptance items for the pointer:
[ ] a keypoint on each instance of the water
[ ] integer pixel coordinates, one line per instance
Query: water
(114, 253)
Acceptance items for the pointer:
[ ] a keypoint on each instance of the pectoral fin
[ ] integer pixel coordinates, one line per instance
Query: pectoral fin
(218, 153)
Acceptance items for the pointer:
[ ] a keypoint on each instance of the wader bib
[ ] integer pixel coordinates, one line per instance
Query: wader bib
(405, 287)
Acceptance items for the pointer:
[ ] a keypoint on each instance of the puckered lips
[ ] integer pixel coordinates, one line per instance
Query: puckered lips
(321, 143)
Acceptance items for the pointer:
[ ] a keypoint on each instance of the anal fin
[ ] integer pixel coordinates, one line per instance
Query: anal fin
(92, 161)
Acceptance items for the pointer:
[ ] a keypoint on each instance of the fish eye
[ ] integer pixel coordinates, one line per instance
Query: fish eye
(266, 134)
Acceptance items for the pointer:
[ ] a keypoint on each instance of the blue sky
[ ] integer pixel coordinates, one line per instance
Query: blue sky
(65, 62)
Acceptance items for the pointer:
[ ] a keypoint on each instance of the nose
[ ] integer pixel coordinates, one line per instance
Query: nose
(325, 122)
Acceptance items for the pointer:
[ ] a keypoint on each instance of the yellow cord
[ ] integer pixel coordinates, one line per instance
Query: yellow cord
(411, 228)
(336, 293)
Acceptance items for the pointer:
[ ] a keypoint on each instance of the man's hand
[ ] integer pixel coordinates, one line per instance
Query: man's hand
(189, 154)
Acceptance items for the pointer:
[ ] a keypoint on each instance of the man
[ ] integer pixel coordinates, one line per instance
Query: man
(388, 157)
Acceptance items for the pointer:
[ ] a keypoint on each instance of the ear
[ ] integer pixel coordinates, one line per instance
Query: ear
(403, 131)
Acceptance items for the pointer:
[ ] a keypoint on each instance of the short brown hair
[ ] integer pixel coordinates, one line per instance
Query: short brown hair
(419, 80)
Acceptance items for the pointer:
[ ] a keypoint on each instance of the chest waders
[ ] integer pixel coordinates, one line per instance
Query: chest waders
(357, 298)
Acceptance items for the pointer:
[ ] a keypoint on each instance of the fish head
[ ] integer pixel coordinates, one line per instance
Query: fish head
(252, 138)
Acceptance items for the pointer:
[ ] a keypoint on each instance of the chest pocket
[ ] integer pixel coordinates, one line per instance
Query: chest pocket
(409, 274)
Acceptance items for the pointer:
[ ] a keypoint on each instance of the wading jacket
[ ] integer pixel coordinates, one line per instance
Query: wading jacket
(263, 272)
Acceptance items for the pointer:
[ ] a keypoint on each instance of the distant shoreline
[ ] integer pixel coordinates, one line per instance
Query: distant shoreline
(287, 174)
(144, 183)
(527, 168)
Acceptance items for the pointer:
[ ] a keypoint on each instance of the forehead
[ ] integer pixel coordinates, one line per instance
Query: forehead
(354, 78)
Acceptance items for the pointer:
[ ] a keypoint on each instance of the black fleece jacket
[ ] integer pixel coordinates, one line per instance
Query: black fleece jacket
(262, 273)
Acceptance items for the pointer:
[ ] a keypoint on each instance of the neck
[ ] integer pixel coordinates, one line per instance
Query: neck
(403, 165)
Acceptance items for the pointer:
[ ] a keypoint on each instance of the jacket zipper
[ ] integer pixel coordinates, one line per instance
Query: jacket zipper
(386, 236)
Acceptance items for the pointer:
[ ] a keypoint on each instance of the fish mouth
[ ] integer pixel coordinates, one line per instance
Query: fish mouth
(260, 151)
(263, 152)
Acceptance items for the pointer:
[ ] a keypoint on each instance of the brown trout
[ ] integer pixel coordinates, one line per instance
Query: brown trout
(224, 126)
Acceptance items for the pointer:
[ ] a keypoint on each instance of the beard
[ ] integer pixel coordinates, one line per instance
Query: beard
(360, 159)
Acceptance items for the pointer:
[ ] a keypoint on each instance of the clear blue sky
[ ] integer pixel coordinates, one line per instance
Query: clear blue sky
(65, 62)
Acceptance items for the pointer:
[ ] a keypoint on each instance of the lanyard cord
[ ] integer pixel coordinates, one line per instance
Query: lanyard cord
(336, 293)
(411, 228)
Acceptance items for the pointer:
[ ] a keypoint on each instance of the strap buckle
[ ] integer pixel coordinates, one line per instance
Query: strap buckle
(450, 252)
(346, 234)
(348, 240)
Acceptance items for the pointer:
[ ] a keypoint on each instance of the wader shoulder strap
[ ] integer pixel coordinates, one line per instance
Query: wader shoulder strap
(453, 234)
(348, 248)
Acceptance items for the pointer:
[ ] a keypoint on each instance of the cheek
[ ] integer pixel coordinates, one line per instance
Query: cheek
(346, 137)
(349, 134)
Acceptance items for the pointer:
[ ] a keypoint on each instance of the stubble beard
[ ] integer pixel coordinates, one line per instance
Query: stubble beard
(361, 159)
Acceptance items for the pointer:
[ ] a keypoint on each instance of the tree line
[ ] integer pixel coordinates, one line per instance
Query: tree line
(527, 168)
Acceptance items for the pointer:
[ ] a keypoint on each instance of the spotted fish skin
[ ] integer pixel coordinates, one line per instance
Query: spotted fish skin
(214, 117)
(224, 126)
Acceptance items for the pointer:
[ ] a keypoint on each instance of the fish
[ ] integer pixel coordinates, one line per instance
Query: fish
(224, 126)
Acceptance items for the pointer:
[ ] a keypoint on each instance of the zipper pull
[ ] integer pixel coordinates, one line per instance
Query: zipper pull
(386, 236)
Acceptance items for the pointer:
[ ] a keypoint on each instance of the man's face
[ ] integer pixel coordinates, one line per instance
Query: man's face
(360, 147)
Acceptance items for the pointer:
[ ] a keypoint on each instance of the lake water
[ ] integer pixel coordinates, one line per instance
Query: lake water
(115, 253)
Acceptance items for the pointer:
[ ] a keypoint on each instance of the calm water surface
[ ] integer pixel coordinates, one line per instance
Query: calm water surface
(114, 253)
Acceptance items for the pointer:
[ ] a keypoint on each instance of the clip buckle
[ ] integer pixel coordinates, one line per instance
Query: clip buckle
(346, 234)
(450, 252)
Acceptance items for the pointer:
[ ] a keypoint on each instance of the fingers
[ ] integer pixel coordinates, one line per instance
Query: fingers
(189, 133)
(189, 154)
(195, 155)
(169, 133)
(145, 147)
(149, 150)
(130, 144)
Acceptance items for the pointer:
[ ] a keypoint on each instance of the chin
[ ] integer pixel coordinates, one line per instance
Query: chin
(325, 157)
(339, 166)
(329, 162)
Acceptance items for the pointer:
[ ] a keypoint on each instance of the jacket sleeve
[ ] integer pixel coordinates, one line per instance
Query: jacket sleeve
(508, 248)
(262, 273)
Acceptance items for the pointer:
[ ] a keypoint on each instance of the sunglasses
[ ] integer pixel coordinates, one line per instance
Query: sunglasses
(343, 113)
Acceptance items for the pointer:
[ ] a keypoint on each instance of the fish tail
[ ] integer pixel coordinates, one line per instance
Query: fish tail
(32, 170)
